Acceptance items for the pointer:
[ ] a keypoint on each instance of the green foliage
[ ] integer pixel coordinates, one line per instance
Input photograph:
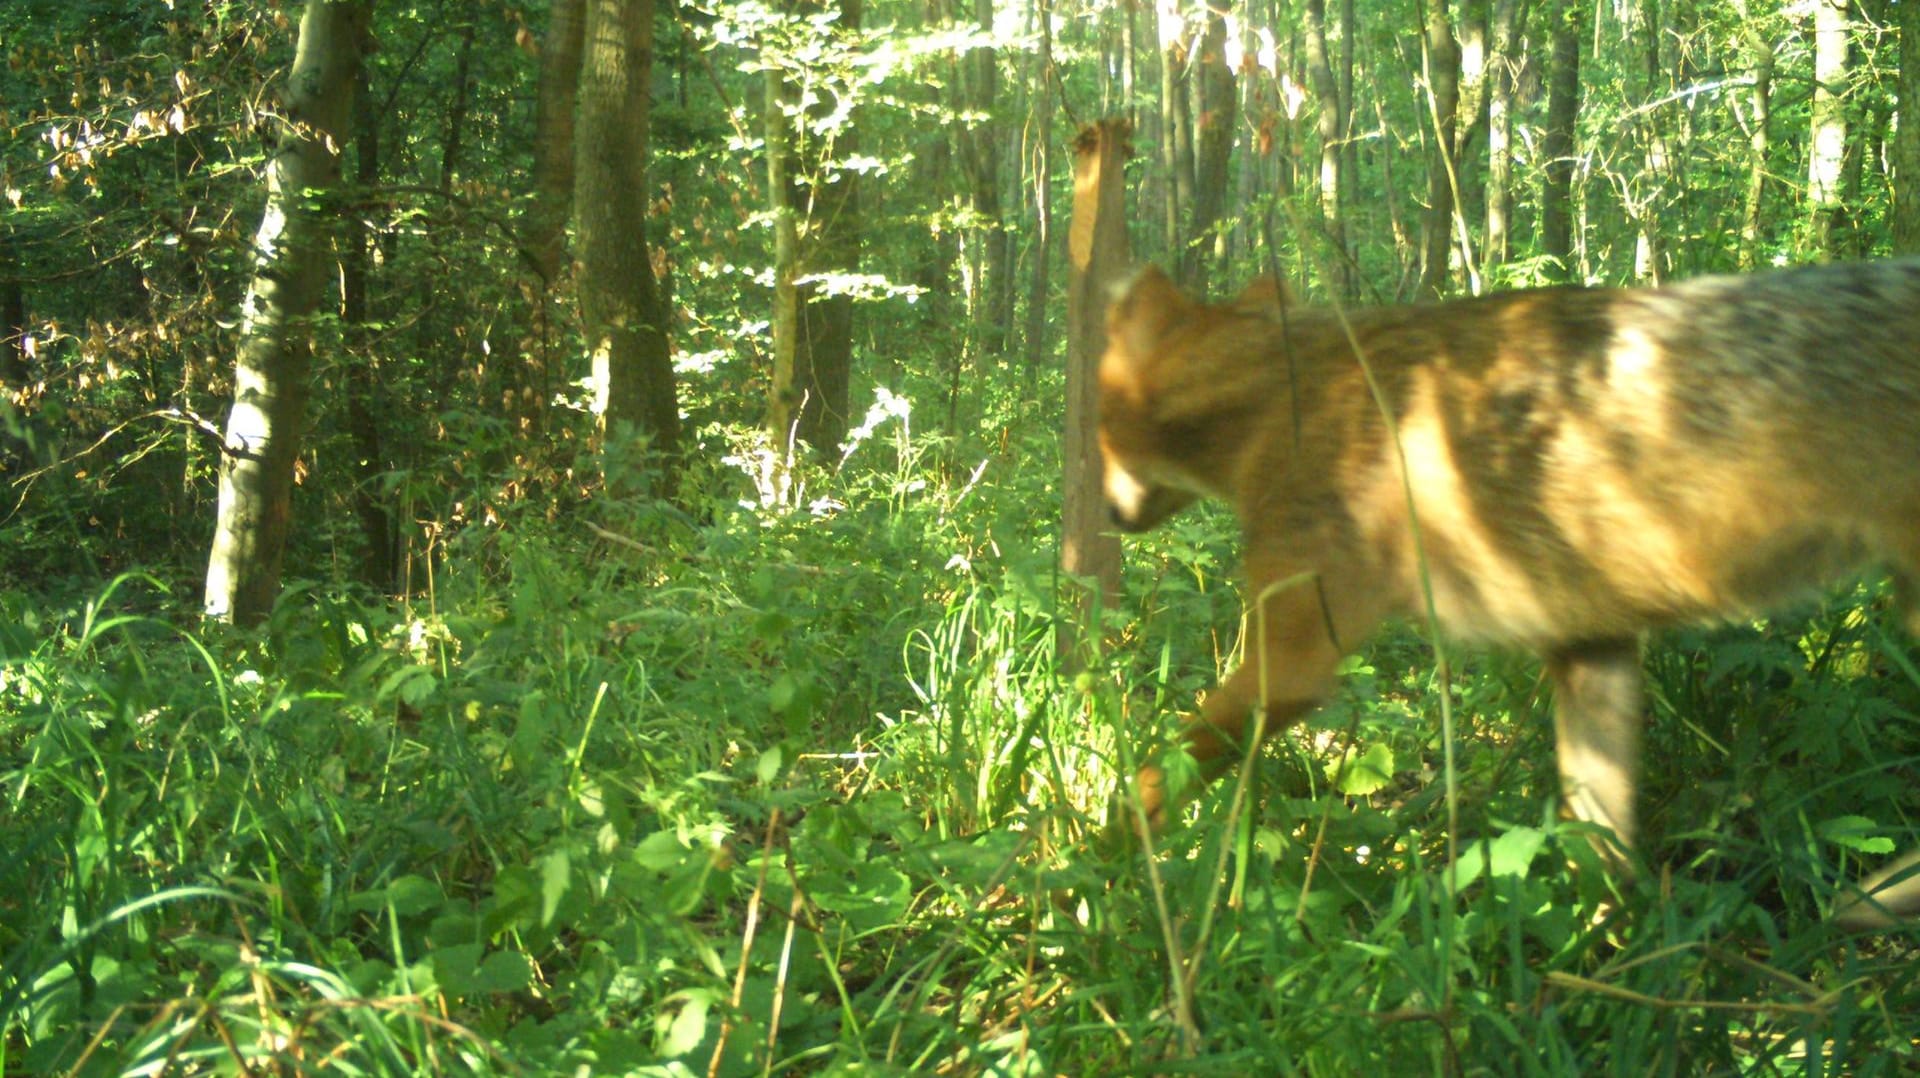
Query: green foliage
(624, 786)
(619, 801)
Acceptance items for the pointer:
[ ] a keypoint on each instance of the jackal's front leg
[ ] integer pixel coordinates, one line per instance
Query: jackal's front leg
(1288, 661)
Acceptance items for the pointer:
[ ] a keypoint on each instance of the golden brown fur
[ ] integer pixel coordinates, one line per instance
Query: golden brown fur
(1585, 465)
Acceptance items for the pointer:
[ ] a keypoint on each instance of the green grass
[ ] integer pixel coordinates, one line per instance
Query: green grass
(767, 793)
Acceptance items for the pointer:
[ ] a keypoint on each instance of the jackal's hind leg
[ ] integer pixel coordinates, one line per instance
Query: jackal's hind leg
(1596, 723)
(1885, 899)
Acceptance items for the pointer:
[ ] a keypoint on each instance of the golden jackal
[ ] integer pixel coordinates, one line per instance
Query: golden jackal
(1584, 465)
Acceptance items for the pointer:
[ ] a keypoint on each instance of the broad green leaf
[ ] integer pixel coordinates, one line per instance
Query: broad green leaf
(504, 971)
(556, 874)
(1855, 833)
(1364, 773)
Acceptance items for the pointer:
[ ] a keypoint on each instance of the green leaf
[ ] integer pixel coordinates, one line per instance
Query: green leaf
(1363, 773)
(1512, 853)
(556, 875)
(681, 1030)
(415, 894)
(413, 684)
(661, 851)
(780, 696)
(455, 968)
(1855, 833)
(504, 971)
(769, 765)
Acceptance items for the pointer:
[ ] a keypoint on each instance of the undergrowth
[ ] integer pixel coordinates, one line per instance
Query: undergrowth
(815, 790)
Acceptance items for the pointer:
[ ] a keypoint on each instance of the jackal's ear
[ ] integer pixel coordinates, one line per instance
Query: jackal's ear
(1266, 294)
(1144, 308)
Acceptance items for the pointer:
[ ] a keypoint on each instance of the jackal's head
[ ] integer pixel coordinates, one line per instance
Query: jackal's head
(1153, 424)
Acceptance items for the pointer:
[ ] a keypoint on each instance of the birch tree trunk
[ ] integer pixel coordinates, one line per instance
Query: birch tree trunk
(1827, 133)
(291, 248)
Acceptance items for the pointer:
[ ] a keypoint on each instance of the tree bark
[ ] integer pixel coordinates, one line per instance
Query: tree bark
(1330, 125)
(455, 138)
(1906, 136)
(1176, 134)
(783, 400)
(1442, 55)
(1556, 140)
(1827, 133)
(823, 359)
(1646, 200)
(1041, 271)
(1502, 63)
(16, 438)
(13, 321)
(543, 232)
(620, 304)
(1214, 148)
(380, 567)
(980, 158)
(1098, 255)
(1759, 118)
(271, 363)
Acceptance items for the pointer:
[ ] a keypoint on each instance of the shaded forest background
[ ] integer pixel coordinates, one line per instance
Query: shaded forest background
(627, 437)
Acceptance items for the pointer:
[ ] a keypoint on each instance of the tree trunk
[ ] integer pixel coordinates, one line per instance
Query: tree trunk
(620, 307)
(1502, 64)
(1906, 136)
(980, 158)
(1041, 271)
(1646, 196)
(1442, 55)
(16, 441)
(1330, 125)
(380, 567)
(1347, 31)
(1556, 140)
(13, 322)
(1867, 137)
(1214, 149)
(783, 392)
(1827, 134)
(543, 234)
(823, 360)
(1098, 256)
(1759, 116)
(1176, 136)
(457, 110)
(270, 367)
(1470, 125)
